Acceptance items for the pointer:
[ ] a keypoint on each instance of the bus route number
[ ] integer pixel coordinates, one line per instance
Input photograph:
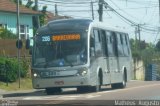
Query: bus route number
(45, 38)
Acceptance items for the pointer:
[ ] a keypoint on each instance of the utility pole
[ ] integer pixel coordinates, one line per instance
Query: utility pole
(37, 17)
(92, 10)
(19, 38)
(136, 46)
(56, 11)
(100, 10)
(159, 11)
(139, 35)
(138, 32)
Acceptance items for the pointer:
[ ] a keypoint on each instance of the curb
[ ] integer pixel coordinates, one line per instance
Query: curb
(1, 96)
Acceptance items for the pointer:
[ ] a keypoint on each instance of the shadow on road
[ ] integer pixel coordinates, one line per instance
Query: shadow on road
(43, 93)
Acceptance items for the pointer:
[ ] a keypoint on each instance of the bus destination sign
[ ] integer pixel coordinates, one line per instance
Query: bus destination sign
(66, 37)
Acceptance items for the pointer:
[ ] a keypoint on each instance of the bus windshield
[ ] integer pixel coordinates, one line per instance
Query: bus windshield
(60, 49)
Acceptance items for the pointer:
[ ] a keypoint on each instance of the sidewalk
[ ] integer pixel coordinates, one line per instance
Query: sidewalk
(1, 93)
(4, 94)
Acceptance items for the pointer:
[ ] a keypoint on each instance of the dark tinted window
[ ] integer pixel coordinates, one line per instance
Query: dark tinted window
(98, 48)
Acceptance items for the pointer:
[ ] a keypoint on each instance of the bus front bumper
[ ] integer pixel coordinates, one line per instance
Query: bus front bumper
(63, 82)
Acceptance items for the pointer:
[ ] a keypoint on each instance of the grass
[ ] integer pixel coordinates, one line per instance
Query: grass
(25, 84)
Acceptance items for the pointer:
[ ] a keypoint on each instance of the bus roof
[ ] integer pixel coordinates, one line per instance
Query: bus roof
(106, 26)
(67, 23)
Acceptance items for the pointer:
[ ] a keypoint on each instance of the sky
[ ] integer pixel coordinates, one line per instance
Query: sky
(142, 12)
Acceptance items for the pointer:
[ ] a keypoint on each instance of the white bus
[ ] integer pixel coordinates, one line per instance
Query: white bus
(80, 53)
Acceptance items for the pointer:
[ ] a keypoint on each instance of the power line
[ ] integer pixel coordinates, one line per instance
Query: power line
(49, 1)
(128, 20)
(122, 10)
(108, 6)
(139, 2)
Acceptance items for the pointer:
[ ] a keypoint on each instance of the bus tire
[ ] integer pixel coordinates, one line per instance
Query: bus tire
(82, 89)
(123, 84)
(51, 91)
(120, 85)
(97, 87)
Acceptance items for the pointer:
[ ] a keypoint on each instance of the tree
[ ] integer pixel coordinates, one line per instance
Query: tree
(29, 4)
(6, 34)
(16, 1)
(158, 45)
(43, 16)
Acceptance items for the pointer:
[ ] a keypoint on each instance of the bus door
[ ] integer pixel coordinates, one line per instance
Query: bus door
(112, 58)
(119, 55)
(105, 60)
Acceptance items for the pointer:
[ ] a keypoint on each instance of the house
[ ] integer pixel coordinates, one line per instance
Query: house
(8, 18)
(50, 17)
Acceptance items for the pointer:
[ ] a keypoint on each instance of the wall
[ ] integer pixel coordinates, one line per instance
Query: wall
(11, 20)
(8, 48)
(139, 70)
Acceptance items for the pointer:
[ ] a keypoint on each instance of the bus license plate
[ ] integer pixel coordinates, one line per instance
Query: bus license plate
(50, 74)
(59, 82)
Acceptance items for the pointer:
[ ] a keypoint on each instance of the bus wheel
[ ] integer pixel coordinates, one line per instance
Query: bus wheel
(97, 87)
(120, 85)
(51, 91)
(123, 84)
(82, 89)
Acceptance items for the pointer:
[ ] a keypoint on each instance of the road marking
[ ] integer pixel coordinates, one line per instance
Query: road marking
(86, 96)
(125, 89)
(92, 96)
(32, 98)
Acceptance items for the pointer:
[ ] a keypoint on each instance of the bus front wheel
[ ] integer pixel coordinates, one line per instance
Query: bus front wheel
(97, 87)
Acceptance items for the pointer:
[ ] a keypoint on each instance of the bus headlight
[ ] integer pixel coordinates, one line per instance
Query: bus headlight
(82, 71)
(35, 75)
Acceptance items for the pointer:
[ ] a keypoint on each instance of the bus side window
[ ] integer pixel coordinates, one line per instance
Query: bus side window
(98, 48)
(128, 44)
(104, 42)
(92, 45)
(125, 45)
(110, 45)
(119, 44)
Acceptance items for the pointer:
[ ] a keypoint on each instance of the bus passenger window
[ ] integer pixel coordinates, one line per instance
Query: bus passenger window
(121, 38)
(92, 45)
(98, 46)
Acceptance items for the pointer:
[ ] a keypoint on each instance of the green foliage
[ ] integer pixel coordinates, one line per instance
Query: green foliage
(148, 52)
(9, 69)
(158, 46)
(6, 34)
(43, 16)
(16, 1)
(29, 4)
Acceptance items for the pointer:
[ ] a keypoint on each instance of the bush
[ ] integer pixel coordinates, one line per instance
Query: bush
(6, 34)
(10, 71)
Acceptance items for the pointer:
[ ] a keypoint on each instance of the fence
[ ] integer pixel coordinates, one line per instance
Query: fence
(8, 48)
(151, 72)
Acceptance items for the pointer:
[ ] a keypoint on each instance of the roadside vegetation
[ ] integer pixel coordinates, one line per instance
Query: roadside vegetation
(26, 84)
(9, 66)
(9, 73)
(149, 53)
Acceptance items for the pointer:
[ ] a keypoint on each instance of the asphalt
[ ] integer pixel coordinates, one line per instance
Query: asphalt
(4, 93)
(1, 93)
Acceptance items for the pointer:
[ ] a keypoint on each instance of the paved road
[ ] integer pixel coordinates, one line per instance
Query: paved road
(135, 90)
